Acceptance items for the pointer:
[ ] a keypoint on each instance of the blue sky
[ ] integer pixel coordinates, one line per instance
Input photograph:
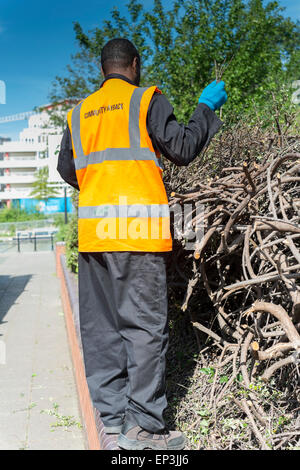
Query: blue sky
(36, 43)
(37, 40)
(292, 8)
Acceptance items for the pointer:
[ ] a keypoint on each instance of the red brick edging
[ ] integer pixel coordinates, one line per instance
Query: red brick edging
(86, 406)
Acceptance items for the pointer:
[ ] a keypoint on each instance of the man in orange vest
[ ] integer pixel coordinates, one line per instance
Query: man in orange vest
(111, 151)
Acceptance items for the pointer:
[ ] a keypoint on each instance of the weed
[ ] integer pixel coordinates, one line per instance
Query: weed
(62, 420)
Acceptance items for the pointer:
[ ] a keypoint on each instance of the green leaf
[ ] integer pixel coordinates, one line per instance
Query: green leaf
(208, 371)
(223, 379)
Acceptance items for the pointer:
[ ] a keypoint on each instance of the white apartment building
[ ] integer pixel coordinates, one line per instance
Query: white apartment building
(37, 147)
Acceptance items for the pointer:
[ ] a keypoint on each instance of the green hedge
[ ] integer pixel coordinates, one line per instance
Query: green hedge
(72, 244)
(71, 236)
(19, 215)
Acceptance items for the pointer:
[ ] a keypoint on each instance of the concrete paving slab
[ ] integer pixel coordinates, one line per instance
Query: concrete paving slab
(39, 407)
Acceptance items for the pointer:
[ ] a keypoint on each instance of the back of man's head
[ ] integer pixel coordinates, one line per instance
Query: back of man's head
(118, 54)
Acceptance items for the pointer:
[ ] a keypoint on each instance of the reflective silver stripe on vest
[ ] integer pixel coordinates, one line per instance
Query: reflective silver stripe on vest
(116, 154)
(118, 211)
(75, 119)
(134, 116)
(135, 152)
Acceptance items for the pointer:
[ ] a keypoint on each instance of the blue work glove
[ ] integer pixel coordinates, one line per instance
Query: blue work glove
(214, 95)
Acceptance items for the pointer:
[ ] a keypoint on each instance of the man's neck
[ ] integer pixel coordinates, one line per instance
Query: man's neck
(119, 75)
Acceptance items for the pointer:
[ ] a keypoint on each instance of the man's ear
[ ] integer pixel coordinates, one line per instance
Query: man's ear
(135, 63)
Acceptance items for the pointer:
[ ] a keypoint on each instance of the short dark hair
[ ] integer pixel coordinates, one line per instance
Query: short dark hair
(118, 52)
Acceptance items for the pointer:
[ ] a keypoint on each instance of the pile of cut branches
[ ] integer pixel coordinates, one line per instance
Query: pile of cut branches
(246, 265)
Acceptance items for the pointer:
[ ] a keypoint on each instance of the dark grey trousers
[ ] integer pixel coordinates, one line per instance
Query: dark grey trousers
(124, 333)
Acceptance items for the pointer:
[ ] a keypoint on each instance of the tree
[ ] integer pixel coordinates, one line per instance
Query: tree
(179, 48)
(42, 189)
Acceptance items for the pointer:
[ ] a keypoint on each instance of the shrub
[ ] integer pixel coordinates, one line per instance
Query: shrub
(72, 244)
(18, 215)
(71, 237)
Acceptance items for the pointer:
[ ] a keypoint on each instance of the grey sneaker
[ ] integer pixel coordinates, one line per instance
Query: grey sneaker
(113, 429)
(133, 437)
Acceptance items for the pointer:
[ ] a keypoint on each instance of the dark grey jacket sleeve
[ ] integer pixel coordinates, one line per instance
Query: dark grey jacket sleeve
(66, 165)
(179, 143)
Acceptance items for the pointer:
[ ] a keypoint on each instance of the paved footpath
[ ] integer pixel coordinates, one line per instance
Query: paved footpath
(38, 399)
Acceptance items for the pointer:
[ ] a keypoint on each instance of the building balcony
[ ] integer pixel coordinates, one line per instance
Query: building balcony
(15, 194)
(17, 179)
(22, 147)
(29, 162)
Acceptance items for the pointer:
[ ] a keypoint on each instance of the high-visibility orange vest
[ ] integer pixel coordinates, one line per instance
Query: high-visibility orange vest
(123, 204)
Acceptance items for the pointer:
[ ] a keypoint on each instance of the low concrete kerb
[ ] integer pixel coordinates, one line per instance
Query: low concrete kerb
(96, 438)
